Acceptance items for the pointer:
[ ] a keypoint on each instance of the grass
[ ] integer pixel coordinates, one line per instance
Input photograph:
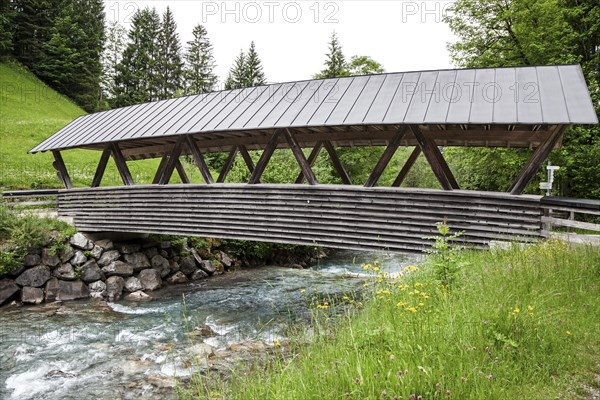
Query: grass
(30, 112)
(513, 323)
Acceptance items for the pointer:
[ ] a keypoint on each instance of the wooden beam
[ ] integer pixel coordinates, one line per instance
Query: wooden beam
(181, 172)
(435, 160)
(337, 164)
(160, 169)
(121, 164)
(407, 166)
(246, 157)
(387, 155)
(264, 158)
(299, 155)
(61, 169)
(228, 164)
(172, 162)
(537, 158)
(312, 157)
(101, 167)
(199, 160)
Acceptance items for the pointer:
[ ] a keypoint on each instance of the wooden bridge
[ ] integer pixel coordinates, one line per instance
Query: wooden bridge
(503, 107)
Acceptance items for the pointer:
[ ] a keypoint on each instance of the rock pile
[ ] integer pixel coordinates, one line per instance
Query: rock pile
(108, 271)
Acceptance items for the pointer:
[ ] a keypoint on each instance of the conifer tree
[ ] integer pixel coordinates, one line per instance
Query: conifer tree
(33, 22)
(113, 53)
(169, 60)
(335, 64)
(199, 75)
(253, 70)
(237, 74)
(7, 27)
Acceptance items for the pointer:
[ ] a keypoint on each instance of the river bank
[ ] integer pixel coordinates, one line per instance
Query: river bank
(126, 349)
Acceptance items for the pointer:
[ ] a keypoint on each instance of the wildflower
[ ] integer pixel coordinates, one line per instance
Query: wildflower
(419, 397)
(384, 393)
(384, 291)
(392, 357)
(412, 396)
(411, 309)
(366, 285)
(529, 309)
(277, 343)
(323, 306)
(400, 304)
(448, 392)
(347, 394)
(303, 291)
(489, 376)
(366, 267)
(346, 298)
(357, 380)
(516, 311)
(568, 332)
(417, 284)
(376, 269)
(462, 378)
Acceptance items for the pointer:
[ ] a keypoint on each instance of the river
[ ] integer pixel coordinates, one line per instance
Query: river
(126, 350)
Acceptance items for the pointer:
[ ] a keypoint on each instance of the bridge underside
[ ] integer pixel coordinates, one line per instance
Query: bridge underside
(345, 217)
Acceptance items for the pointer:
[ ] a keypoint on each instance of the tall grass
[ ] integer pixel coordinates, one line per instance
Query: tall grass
(514, 324)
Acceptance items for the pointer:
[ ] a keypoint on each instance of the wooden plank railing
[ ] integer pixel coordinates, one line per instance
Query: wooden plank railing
(32, 199)
(561, 211)
(351, 217)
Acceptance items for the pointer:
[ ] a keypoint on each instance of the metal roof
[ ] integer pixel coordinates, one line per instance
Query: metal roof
(494, 96)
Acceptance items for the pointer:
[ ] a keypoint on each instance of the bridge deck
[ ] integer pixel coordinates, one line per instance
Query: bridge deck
(349, 217)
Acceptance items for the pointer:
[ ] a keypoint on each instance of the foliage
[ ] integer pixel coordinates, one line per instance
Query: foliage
(169, 59)
(199, 70)
(444, 258)
(364, 65)
(495, 33)
(19, 233)
(522, 324)
(246, 71)
(111, 57)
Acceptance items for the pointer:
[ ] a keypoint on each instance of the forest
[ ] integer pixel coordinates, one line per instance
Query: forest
(71, 47)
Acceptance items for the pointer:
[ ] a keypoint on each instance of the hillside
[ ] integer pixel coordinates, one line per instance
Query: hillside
(30, 112)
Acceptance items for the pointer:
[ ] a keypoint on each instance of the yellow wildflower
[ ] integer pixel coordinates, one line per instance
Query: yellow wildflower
(400, 304)
(376, 269)
(303, 291)
(568, 332)
(411, 309)
(516, 311)
(366, 267)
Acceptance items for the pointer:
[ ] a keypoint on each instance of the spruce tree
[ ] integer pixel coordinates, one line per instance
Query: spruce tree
(199, 75)
(253, 70)
(169, 60)
(113, 53)
(335, 64)
(237, 73)
(33, 22)
(7, 27)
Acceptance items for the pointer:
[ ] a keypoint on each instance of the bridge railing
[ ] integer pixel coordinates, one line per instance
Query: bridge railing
(44, 199)
(562, 212)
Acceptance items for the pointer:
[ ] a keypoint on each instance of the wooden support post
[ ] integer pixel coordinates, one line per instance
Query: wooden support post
(407, 166)
(264, 158)
(161, 168)
(61, 169)
(435, 159)
(302, 162)
(228, 164)
(337, 164)
(246, 157)
(312, 157)
(121, 164)
(172, 162)
(181, 172)
(537, 158)
(385, 158)
(199, 159)
(101, 167)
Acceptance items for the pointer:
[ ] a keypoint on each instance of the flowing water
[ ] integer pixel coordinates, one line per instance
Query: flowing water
(82, 350)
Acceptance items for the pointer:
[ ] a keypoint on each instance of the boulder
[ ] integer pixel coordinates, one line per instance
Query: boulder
(178, 277)
(31, 260)
(139, 261)
(50, 259)
(208, 267)
(66, 253)
(106, 244)
(173, 266)
(98, 290)
(72, 290)
(187, 265)
(91, 272)
(97, 252)
(8, 290)
(151, 252)
(34, 277)
(108, 257)
(114, 287)
(150, 279)
(52, 287)
(65, 272)
(161, 264)
(165, 245)
(225, 259)
(133, 284)
(198, 275)
(32, 295)
(128, 247)
(138, 296)
(118, 268)
(79, 258)
(81, 242)
(201, 350)
(197, 257)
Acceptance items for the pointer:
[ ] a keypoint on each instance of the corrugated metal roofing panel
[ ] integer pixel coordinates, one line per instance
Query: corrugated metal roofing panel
(520, 95)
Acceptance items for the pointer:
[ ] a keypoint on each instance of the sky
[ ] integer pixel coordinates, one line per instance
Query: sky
(291, 37)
